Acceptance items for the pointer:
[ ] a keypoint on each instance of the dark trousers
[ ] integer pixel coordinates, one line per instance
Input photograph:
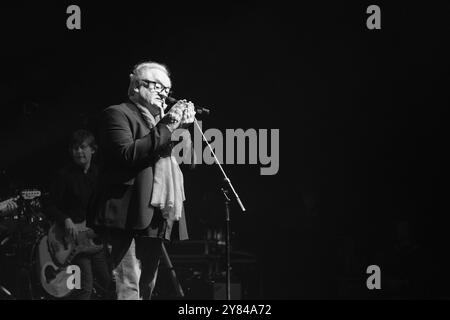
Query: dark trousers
(93, 266)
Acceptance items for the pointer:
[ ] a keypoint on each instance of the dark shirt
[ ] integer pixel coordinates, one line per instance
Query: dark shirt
(72, 192)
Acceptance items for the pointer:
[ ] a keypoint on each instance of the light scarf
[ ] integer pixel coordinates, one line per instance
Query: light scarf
(168, 183)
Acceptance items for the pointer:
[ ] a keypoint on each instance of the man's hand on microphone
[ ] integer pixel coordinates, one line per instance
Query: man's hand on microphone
(188, 114)
(181, 114)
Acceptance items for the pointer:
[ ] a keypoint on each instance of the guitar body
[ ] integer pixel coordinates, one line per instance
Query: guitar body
(52, 279)
(56, 252)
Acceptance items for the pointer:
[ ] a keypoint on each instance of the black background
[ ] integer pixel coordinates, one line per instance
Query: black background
(360, 113)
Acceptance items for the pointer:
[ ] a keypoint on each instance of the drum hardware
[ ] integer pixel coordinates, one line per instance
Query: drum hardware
(24, 227)
(6, 293)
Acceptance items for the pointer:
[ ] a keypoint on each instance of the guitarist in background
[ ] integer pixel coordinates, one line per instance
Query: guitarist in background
(70, 196)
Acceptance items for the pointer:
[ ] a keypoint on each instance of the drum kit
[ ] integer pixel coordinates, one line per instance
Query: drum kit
(21, 231)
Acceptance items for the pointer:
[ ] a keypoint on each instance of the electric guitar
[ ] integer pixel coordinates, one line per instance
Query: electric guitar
(56, 252)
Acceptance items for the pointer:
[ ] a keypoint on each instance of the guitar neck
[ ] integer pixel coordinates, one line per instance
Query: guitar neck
(4, 204)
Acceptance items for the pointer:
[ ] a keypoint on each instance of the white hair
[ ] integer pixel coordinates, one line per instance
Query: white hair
(150, 65)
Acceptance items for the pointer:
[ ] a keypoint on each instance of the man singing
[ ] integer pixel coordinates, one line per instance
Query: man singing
(143, 193)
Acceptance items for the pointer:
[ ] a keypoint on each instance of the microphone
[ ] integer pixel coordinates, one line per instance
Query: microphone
(198, 110)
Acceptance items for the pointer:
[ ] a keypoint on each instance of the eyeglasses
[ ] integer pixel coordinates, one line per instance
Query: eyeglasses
(158, 87)
(83, 146)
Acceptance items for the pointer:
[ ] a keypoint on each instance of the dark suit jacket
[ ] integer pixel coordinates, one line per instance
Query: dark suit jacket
(129, 149)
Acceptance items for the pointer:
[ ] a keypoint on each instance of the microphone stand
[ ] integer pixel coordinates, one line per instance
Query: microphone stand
(227, 201)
